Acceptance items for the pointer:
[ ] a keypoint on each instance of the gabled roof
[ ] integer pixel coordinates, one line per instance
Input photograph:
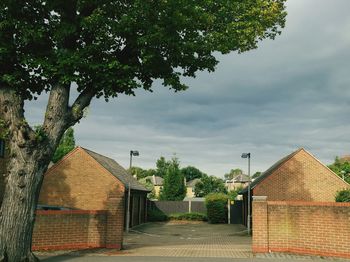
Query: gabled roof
(116, 170)
(282, 162)
(192, 183)
(270, 170)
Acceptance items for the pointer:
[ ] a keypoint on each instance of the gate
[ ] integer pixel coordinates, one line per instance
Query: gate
(236, 214)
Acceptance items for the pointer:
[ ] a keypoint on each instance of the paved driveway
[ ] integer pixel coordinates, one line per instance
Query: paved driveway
(188, 240)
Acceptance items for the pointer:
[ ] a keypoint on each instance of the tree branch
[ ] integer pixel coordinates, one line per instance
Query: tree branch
(56, 115)
(82, 102)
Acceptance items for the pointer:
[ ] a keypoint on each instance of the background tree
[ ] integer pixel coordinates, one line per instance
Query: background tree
(209, 184)
(101, 49)
(233, 173)
(162, 167)
(343, 196)
(149, 185)
(191, 173)
(174, 184)
(341, 168)
(141, 173)
(234, 193)
(66, 145)
(256, 174)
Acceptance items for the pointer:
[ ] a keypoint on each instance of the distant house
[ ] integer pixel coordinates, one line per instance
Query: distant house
(85, 180)
(297, 177)
(190, 187)
(157, 183)
(237, 182)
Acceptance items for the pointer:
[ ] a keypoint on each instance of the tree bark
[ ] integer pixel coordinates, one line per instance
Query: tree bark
(17, 213)
(30, 155)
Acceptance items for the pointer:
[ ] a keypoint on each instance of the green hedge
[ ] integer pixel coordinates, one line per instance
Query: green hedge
(216, 208)
(194, 216)
(343, 196)
(155, 215)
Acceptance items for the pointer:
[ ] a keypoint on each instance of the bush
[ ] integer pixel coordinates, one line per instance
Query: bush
(194, 216)
(155, 215)
(216, 208)
(343, 196)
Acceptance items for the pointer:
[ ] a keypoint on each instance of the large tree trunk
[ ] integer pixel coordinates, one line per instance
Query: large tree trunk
(18, 208)
(30, 153)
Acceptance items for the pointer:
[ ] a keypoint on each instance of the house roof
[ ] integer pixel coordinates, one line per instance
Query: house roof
(193, 182)
(241, 178)
(270, 170)
(116, 170)
(156, 180)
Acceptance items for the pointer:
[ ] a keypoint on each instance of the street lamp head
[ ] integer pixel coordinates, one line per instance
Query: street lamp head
(245, 155)
(134, 153)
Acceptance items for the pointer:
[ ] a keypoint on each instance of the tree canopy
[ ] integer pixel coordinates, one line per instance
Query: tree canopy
(233, 173)
(191, 172)
(112, 47)
(256, 174)
(174, 183)
(66, 145)
(341, 168)
(209, 184)
(142, 173)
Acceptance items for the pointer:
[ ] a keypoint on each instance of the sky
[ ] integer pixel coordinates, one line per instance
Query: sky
(291, 92)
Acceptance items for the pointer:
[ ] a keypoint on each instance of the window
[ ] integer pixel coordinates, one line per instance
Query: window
(2, 148)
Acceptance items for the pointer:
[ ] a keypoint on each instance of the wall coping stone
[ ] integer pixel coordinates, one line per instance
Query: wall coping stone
(259, 198)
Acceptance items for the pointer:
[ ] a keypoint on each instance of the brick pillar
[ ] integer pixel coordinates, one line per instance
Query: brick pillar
(260, 226)
(115, 223)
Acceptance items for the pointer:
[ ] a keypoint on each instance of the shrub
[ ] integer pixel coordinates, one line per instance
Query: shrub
(343, 196)
(216, 208)
(194, 216)
(156, 215)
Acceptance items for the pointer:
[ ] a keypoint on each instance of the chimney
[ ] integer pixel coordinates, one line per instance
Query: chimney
(185, 181)
(154, 179)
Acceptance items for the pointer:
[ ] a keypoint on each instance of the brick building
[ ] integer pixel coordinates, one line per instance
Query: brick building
(296, 177)
(86, 180)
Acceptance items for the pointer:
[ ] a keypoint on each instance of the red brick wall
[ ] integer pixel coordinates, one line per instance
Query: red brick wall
(301, 178)
(302, 227)
(78, 181)
(80, 229)
(75, 229)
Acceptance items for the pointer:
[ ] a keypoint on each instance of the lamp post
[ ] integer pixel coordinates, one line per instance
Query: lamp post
(247, 155)
(132, 153)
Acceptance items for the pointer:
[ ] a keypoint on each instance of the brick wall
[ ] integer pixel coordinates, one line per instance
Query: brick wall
(75, 229)
(79, 229)
(316, 228)
(302, 178)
